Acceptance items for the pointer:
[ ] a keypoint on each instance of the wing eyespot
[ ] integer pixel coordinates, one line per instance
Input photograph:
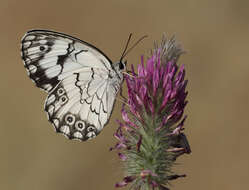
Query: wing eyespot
(70, 119)
(60, 91)
(91, 128)
(80, 125)
(63, 99)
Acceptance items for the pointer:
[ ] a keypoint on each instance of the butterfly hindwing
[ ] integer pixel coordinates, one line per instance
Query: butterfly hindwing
(79, 108)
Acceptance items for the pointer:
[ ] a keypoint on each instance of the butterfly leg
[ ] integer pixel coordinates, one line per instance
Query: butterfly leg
(121, 95)
(132, 73)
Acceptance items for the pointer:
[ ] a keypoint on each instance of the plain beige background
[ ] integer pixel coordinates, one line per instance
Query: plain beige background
(216, 37)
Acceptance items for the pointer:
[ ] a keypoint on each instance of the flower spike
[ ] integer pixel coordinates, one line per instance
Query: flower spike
(150, 137)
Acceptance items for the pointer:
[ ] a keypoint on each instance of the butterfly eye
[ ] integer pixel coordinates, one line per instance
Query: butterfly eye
(121, 66)
(80, 125)
(63, 99)
(69, 119)
(60, 91)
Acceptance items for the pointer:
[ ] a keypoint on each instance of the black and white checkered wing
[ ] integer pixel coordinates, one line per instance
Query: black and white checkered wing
(77, 77)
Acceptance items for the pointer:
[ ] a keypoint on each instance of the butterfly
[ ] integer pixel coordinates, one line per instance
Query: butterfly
(81, 81)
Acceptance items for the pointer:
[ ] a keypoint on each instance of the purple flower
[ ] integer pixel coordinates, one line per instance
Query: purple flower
(150, 138)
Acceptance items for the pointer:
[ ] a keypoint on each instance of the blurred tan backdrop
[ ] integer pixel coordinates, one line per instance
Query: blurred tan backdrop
(216, 37)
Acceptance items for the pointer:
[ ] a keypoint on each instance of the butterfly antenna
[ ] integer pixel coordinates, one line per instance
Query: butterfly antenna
(126, 46)
(134, 45)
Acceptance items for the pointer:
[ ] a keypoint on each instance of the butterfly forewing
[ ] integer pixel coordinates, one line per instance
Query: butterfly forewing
(49, 57)
(77, 77)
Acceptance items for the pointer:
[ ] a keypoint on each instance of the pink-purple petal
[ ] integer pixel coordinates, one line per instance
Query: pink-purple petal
(122, 156)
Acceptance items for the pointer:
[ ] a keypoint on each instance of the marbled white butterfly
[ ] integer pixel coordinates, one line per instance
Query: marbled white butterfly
(81, 81)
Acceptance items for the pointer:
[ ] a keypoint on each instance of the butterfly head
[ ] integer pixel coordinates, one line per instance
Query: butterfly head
(120, 66)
